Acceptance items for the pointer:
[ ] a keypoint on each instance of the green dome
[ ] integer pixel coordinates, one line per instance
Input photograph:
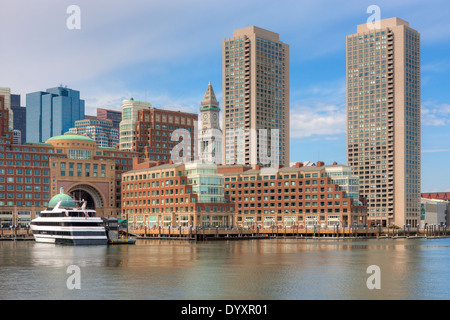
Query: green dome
(71, 137)
(67, 200)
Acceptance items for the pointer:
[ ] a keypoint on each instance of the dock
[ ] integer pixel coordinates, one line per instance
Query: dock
(236, 233)
(249, 233)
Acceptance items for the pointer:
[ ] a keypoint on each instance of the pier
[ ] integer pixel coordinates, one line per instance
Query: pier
(249, 233)
(238, 233)
(16, 234)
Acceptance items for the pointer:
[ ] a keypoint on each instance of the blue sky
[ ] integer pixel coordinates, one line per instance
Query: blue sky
(166, 52)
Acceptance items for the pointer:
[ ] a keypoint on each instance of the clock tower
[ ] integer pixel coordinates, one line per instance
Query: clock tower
(210, 133)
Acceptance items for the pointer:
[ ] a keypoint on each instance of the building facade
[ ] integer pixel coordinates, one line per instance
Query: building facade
(163, 135)
(113, 115)
(52, 113)
(19, 118)
(434, 213)
(191, 194)
(128, 127)
(437, 195)
(17, 137)
(304, 196)
(255, 77)
(101, 131)
(383, 119)
(7, 125)
(32, 173)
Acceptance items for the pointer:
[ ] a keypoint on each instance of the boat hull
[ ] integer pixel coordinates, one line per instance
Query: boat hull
(71, 240)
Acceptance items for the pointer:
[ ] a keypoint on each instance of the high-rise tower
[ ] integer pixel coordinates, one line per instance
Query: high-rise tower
(52, 112)
(383, 119)
(255, 97)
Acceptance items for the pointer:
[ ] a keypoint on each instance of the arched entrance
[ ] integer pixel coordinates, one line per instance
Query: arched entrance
(88, 193)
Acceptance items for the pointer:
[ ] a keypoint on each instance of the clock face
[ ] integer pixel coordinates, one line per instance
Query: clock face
(205, 116)
(215, 116)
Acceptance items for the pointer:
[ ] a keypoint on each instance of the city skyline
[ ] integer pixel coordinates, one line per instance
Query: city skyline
(317, 67)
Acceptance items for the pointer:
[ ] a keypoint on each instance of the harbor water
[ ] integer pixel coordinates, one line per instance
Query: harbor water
(275, 269)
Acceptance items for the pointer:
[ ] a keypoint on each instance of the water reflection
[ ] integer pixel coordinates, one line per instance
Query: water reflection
(252, 269)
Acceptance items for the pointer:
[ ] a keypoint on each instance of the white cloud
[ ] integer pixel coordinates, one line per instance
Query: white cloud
(319, 110)
(318, 120)
(139, 43)
(435, 114)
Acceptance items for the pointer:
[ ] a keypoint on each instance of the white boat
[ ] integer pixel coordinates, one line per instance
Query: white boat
(69, 224)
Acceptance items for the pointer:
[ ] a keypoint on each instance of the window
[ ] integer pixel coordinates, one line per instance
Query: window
(63, 169)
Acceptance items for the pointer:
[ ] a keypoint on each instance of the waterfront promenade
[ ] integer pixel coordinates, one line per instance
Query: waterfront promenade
(247, 233)
(217, 233)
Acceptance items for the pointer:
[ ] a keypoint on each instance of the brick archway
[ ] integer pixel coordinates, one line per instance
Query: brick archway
(90, 194)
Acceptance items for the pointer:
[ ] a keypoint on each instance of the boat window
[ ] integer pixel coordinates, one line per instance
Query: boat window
(52, 214)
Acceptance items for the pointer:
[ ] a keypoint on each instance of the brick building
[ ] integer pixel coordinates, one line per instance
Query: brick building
(31, 174)
(171, 194)
(101, 131)
(294, 196)
(154, 130)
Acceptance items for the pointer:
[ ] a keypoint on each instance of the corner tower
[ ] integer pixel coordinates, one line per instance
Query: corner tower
(210, 133)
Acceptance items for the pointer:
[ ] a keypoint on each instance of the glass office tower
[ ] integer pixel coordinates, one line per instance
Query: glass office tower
(52, 112)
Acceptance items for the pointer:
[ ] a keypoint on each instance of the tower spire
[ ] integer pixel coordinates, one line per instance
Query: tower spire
(210, 99)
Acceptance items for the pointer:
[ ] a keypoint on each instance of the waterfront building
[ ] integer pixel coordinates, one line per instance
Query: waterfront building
(320, 195)
(52, 113)
(157, 135)
(32, 173)
(438, 196)
(175, 194)
(24, 181)
(255, 79)
(210, 138)
(101, 131)
(434, 212)
(347, 181)
(383, 119)
(89, 171)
